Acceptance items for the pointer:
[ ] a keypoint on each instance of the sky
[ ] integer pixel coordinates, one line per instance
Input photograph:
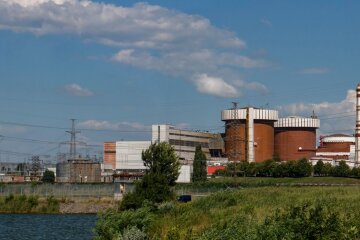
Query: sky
(120, 66)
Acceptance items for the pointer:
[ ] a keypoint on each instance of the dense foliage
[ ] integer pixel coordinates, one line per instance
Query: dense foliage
(28, 204)
(257, 213)
(270, 168)
(48, 177)
(293, 169)
(156, 185)
(199, 165)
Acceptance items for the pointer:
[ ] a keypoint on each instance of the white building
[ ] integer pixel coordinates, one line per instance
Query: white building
(125, 156)
(183, 141)
(128, 155)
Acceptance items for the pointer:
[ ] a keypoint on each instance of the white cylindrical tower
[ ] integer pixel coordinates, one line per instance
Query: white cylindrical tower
(357, 129)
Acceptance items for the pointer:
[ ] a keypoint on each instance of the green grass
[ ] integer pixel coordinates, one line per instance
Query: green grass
(217, 184)
(28, 204)
(252, 205)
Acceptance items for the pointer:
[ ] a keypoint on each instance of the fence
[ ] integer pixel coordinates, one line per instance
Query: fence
(59, 190)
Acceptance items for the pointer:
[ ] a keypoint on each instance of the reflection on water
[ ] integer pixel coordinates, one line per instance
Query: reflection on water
(34, 226)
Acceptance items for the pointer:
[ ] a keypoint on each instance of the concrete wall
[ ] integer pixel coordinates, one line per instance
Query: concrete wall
(128, 154)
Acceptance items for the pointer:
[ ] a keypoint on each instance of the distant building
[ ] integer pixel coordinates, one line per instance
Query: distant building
(124, 157)
(336, 147)
(78, 171)
(185, 141)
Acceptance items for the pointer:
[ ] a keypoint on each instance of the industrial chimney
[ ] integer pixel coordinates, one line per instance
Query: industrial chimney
(357, 129)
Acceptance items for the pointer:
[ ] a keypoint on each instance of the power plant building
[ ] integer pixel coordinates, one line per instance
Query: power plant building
(336, 147)
(249, 134)
(295, 137)
(184, 141)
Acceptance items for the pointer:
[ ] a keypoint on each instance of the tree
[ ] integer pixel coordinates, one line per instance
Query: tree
(199, 165)
(319, 168)
(162, 170)
(48, 177)
(328, 169)
(303, 168)
(342, 170)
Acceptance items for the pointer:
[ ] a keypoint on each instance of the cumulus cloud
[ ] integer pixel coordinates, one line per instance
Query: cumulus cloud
(76, 90)
(314, 71)
(146, 36)
(255, 86)
(117, 126)
(214, 86)
(334, 116)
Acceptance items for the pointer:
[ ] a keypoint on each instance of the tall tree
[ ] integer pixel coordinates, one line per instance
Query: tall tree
(162, 170)
(199, 165)
(48, 177)
(319, 168)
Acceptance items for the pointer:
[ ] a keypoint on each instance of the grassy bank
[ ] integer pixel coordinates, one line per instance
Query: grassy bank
(28, 204)
(249, 213)
(218, 184)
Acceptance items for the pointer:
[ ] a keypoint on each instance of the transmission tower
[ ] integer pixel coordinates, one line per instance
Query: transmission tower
(73, 133)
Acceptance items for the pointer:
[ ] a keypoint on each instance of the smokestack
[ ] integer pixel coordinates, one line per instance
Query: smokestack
(357, 129)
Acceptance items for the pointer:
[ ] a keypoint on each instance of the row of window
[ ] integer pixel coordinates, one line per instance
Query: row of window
(188, 135)
(188, 143)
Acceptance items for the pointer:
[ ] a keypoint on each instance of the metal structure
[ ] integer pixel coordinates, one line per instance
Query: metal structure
(73, 133)
(295, 137)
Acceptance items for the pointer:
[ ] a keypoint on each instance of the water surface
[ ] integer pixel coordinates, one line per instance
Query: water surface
(39, 226)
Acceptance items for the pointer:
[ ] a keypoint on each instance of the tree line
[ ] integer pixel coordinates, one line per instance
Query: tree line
(295, 169)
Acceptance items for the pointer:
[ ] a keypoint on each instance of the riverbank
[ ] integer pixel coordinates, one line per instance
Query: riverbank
(86, 206)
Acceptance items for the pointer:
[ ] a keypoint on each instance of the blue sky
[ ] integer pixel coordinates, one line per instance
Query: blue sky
(120, 66)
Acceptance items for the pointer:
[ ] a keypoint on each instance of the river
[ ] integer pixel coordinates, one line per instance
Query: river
(41, 227)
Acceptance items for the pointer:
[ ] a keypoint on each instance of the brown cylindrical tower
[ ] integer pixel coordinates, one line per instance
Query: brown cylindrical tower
(251, 135)
(295, 138)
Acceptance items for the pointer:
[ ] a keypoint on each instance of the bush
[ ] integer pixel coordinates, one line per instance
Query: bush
(307, 221)
(114, 225)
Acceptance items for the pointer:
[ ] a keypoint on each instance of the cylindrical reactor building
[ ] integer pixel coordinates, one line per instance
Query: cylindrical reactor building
(249, 134)
(295, 138)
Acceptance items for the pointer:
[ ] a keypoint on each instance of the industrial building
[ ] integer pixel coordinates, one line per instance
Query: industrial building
(124, 157)
(249, 133)
(336, 147)
(257, 135)
(185, 141)
(78, 171)
(295, 137)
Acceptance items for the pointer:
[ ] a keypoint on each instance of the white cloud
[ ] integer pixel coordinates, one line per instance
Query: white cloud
(334, 116)
(214, 86)
(77, 90)
(255, 86)
(142, 25)
(119, 126)
(147, 36)
(314, 71)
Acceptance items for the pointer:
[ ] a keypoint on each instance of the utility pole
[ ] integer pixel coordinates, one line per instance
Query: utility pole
(73, 133)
